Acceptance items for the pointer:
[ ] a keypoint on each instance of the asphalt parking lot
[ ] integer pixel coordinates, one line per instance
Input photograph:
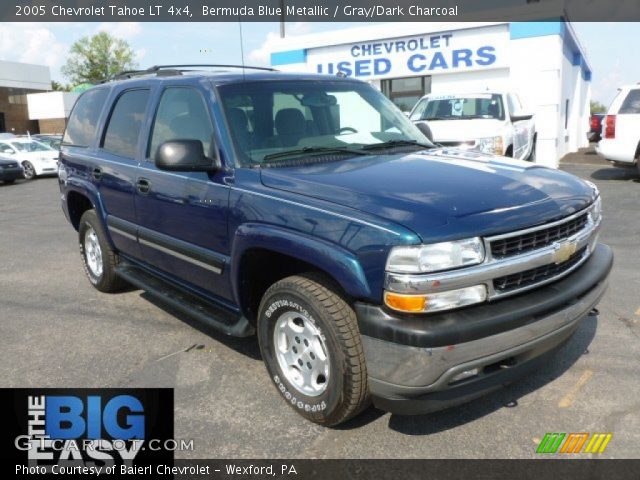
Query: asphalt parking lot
(56, 331)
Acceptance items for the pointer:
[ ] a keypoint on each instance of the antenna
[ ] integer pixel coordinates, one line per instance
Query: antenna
(241, 50)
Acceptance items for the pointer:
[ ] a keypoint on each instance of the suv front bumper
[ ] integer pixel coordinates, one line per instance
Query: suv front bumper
(420, 364)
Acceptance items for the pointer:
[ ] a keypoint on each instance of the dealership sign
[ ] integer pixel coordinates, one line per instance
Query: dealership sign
(427, 54)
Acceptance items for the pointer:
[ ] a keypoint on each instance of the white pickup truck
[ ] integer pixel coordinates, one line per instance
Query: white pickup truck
(620, 141)
(491, 122)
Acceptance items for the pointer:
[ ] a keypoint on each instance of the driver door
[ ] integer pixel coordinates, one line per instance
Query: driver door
(182, 216)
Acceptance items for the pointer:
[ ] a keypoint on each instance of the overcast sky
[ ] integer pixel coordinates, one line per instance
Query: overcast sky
(610, 46)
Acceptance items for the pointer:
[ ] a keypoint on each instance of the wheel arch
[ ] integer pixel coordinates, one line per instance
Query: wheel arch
(262, 255)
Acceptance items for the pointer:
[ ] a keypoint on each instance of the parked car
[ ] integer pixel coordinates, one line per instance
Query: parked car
(36, 158)
(52, 141)
(309, 211)
(10, 171)
(620, 141)
(490, 122)
(595, 127)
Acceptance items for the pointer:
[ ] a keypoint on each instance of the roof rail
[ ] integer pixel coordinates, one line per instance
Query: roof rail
(155, 68)
(167, 70)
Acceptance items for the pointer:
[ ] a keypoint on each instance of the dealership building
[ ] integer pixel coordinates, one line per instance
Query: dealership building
(17, 80)
(543, 62)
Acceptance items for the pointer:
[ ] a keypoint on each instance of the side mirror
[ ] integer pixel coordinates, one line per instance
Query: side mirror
(424, 128)
(184, 156)
(519, 118)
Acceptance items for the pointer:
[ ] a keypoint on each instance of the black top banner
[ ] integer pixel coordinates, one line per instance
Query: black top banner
(317, 10)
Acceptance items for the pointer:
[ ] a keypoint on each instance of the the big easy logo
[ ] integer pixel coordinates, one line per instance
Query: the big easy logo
(444, 52)
(107, 426)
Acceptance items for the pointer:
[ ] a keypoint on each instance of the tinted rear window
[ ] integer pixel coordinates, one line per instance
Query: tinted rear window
(125, 123)
(631, 104)
(83, 123)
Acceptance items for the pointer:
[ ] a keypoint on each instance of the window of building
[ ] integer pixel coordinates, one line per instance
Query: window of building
(125, 123)
(83, 122)
(405, 92)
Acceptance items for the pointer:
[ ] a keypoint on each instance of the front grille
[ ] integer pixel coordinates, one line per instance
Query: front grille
(535, 275)
(526, 242)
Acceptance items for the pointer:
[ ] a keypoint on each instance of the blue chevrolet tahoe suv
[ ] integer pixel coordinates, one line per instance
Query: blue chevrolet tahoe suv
(371, 264)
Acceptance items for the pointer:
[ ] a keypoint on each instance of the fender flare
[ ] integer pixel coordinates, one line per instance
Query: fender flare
(341, 264)
(89, 191)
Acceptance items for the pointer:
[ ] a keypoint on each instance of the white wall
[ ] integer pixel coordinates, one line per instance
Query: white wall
(24, 75)
(43, 106)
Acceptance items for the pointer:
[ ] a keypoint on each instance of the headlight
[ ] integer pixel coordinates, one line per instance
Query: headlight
(436, 256)
(434, 302)
(491, 145)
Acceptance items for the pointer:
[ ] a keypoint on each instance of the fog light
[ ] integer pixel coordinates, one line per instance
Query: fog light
(434, 302)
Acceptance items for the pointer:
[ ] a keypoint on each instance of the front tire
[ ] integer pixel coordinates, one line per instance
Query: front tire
(29, 170)
(310, 344)
(98, 259)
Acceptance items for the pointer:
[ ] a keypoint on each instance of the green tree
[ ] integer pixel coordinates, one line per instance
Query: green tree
(59, 87)
(96, 58)
(597, 107)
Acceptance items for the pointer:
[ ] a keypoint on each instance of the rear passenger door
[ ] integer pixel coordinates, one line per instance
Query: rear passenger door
(182, 216)
(628, 122)
(115, 172)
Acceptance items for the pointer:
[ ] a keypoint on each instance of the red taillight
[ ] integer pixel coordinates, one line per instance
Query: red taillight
(610, 126)
(595, 123)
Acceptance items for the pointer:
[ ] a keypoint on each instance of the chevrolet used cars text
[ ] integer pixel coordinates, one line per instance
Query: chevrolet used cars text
(308, 210)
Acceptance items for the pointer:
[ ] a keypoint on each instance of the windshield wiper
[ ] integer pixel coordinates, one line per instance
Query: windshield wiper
(312, 151)
(396, 143)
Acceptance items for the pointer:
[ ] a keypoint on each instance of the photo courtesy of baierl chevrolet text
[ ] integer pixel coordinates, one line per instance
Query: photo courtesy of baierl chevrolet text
(320, 239)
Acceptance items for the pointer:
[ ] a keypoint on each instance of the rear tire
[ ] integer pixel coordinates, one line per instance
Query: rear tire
(310, 344)
(98, 259)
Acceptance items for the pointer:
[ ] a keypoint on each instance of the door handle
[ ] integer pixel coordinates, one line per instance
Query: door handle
(96, 173)
(143, 186)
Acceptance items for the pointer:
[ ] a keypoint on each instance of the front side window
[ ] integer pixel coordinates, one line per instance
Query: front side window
(83, 122)
(182, 115)
(125, 123)
(267, 119)
(481, 106)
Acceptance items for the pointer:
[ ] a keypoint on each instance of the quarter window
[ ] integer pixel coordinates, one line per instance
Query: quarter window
(83, 123)
(125, 123)
(631, 104)
(182, 115)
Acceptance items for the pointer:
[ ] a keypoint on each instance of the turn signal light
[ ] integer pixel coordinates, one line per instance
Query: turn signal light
(405, 303)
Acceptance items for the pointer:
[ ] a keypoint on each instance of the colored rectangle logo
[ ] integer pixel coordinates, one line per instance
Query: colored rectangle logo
(576, 442)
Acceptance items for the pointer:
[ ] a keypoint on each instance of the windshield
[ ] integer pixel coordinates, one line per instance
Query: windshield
(286, 119)
(488, 106)
(30, 146)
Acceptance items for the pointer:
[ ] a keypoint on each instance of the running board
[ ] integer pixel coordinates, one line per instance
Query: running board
(185, 302)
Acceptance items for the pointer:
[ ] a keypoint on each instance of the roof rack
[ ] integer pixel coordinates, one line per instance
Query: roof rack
(167, 70)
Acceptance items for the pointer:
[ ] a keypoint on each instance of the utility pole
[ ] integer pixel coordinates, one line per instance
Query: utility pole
(281, 18)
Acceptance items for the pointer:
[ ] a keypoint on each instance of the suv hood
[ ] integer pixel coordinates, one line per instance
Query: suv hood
(440, 194)
(461, 130)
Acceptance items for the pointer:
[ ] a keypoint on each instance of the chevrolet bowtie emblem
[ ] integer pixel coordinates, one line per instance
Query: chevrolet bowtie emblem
(564, 251)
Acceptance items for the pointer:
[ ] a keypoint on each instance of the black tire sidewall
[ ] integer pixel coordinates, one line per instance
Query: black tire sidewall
(319, 408)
